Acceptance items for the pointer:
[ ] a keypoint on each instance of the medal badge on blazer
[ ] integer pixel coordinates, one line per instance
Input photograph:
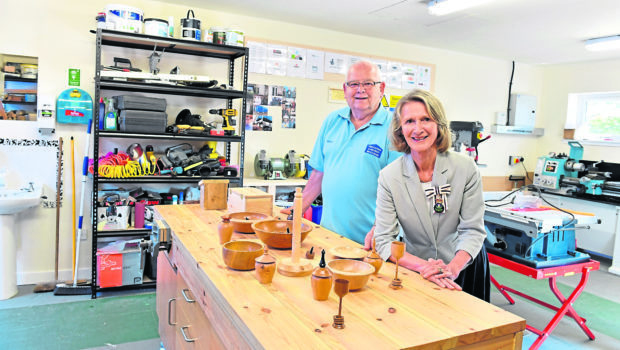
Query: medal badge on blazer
(439, 194)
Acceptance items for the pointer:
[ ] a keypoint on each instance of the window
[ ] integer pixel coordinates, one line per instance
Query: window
(594, 116)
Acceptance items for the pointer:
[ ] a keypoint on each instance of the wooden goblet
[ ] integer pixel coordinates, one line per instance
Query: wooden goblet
(341, 288)
(398, 250)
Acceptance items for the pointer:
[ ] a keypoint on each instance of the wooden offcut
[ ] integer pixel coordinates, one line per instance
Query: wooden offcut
(250, 199)
(213, 194)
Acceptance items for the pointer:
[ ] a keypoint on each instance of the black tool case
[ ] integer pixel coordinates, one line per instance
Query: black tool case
(140, 103)
(142, 121)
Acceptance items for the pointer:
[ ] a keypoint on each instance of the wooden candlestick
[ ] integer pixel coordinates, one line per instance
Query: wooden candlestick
(341, 288)
(398, 250)
(295, 266)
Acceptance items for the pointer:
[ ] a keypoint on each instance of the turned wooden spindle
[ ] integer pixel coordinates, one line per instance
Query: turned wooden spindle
(341, 288)
(398, 250)
(296, 266)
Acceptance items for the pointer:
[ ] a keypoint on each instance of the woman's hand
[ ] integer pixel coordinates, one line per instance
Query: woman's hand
(445, 282)
(437, 268)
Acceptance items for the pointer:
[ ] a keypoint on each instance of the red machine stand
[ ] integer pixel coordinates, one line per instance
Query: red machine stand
(551, 273)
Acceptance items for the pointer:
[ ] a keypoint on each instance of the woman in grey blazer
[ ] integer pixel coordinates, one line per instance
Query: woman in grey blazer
(435, 197)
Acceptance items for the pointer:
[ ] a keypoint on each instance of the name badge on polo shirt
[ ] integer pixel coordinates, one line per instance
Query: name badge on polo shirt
(374, 150)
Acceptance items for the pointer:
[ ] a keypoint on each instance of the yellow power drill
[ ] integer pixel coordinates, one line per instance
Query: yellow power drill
(229, 122)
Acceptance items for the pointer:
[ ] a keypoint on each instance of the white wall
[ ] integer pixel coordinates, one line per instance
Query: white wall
(563, 79)
(472, 88)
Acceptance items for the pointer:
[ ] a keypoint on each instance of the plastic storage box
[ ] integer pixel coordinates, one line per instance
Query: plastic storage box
(120, 263)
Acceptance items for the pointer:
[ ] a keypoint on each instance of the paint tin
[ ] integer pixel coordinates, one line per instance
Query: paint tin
(124, 18)
(155, 26)
(219, 35)
(190, 27)
(234, 36)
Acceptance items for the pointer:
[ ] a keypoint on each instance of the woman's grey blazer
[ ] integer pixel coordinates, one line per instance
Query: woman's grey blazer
(401, 202)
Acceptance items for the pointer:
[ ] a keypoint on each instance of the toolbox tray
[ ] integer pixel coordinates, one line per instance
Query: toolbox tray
(142, 121)
(140, 103)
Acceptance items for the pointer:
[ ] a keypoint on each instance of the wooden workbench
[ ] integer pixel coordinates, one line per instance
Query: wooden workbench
(238, 312)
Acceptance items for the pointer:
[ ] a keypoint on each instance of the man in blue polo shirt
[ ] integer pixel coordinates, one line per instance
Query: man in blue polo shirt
(350, 150)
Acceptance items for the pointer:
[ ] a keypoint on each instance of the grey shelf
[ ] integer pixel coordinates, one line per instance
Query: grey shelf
(516, 130)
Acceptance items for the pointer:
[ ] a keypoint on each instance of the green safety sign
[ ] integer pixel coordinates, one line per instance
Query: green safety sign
(74, 77)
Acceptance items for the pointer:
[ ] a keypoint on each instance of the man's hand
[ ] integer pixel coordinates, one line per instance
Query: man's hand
(368, 240)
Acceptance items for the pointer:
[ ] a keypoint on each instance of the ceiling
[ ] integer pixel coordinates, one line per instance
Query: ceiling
(527, 31)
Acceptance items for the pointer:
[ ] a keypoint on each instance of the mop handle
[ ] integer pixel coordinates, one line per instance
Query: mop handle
(81, 219)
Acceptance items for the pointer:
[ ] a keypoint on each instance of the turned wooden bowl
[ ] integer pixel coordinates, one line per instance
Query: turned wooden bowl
(274, 234)
(355, 271)
(242, 221)
(241, 254)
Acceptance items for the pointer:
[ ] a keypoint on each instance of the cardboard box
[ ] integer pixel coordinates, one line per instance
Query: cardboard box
(120, 263)
(250, 199)
(213, 194)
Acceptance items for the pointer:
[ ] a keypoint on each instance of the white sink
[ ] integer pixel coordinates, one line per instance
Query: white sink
(15, 201)
(12, 202)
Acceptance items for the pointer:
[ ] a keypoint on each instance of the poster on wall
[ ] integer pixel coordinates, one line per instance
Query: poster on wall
(424, 77)
(289, 108)
(258, 52)
(276, 59)
(296, 62)
(393, 78)
(315, 64)
(335, 63)
(409, 77)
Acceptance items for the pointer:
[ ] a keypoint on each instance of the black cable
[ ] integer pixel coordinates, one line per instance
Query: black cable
(509, 93)
(526, 174)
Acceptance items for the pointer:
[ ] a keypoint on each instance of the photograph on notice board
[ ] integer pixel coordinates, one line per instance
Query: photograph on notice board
(262, 120)
(288, 113)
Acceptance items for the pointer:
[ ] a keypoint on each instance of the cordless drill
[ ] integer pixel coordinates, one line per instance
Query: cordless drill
(229, 123)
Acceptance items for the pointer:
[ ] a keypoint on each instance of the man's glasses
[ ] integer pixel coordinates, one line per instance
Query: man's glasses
(365, 84)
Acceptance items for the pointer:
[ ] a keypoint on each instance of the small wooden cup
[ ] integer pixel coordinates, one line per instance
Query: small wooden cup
(341, 288)
(398, 250)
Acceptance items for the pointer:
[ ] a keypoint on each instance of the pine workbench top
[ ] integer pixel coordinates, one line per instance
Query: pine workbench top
(283, 314)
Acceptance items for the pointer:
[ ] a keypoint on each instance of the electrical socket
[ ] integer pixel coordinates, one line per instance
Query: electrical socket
(512, 160)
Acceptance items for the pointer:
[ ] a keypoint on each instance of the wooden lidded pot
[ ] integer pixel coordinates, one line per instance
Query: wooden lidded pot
(321, 280)
(374, 259)
(225, 229)
(265, 266)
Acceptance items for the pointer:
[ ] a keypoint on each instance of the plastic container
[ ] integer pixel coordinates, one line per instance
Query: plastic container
(171, 27)
(234, 36)
(124, 18)
(156, 26)
(120, 263)
(219, 35)
(74, 106)
(190, 27)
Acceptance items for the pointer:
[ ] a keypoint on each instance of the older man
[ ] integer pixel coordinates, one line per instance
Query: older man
(350, 150)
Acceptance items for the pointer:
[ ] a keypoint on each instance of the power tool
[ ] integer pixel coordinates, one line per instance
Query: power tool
(229, 122)
(279, 168)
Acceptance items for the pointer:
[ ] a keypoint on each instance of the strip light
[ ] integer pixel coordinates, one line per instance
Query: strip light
(604, 43)
(444, 7)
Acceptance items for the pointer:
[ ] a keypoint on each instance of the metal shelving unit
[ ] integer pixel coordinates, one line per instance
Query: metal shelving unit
(171, 45)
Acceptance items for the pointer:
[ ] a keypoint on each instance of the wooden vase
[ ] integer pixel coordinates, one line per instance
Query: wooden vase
(321, 280)
(374, 259)
(225, 229)
(265, 267)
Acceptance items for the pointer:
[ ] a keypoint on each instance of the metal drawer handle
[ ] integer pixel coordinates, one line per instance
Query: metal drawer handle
(185, 296)
(185, 336)
(169, 311)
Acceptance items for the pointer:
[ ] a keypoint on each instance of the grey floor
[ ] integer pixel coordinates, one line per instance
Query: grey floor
(567, 335)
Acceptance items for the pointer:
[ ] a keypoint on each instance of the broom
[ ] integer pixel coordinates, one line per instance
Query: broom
(75, 289)
(49, 286)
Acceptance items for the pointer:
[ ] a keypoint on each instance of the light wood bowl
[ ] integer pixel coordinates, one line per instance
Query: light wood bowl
(355, 271)
(242, 221)
(273, 232)
(241, 254)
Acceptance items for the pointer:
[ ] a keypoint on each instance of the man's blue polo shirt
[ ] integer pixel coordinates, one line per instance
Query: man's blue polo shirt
(350, 161)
